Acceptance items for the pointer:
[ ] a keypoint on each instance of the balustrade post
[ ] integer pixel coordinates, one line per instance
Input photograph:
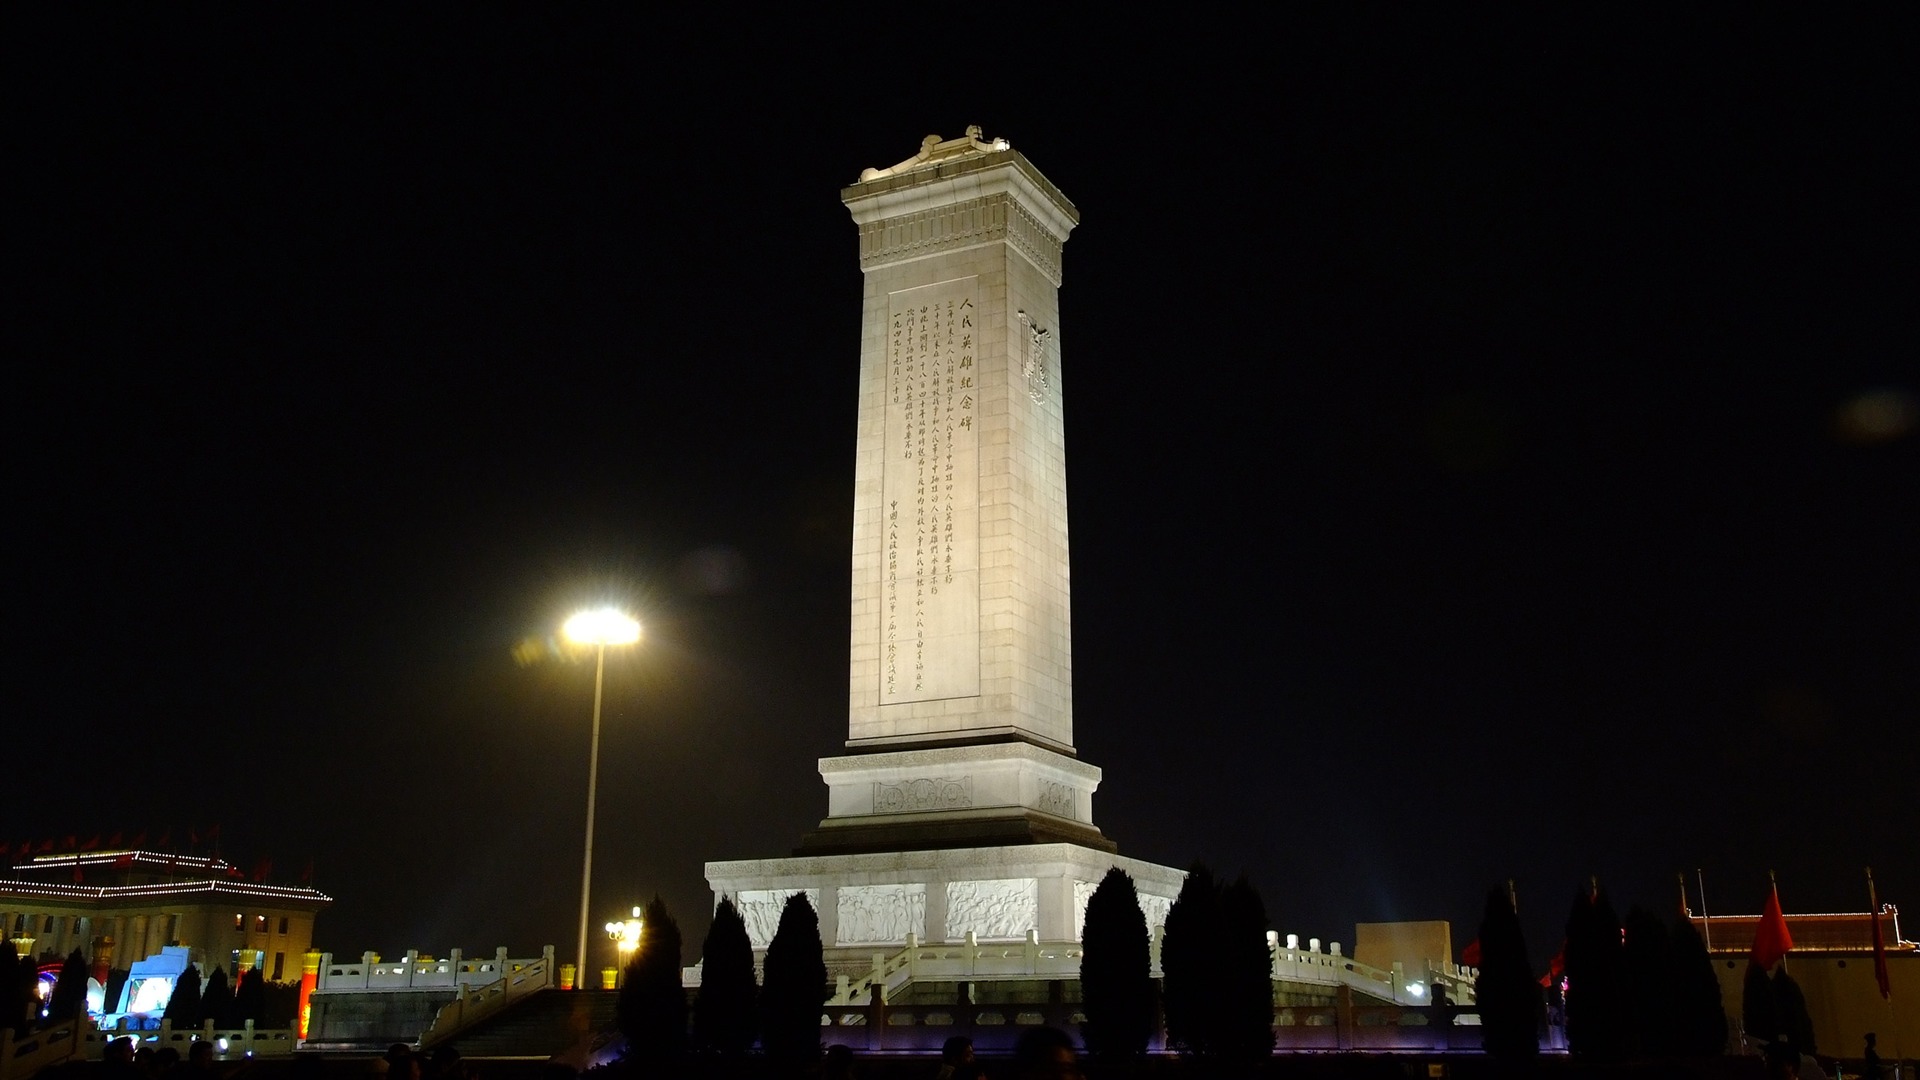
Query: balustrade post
(1033, 952)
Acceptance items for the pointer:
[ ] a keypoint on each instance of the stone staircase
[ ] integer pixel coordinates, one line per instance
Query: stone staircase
(542, 1024)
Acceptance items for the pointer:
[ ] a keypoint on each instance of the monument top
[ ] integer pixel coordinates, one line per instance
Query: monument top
(935, 150)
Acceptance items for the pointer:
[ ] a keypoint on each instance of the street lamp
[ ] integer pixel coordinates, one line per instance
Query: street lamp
(599, 628)
(626, 938)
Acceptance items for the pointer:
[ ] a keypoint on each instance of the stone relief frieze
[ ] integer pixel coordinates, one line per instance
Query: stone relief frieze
(881, 914)
(760, 909)
(1001, 910)
(1036, 358)
(923, 793)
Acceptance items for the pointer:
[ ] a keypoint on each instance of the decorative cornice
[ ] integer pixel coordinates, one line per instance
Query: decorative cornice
(961, 225)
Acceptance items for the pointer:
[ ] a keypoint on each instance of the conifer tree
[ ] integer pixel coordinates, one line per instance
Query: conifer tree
(1700, 1018)
(1508, 996)
(1758, 1012)
(1244, 1030)
(1795, 1021)
(723, 1011)
(652, 1008)
(216, 999)
(249, 999)
(1598, 1025)
(795, 984)
(1651, 1004)
(183, 1005)
(1190, 961)
(1116, 982)
(69, 998)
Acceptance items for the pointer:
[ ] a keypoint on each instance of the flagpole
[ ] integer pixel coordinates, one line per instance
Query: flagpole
(1706, 921)
(1775, 882)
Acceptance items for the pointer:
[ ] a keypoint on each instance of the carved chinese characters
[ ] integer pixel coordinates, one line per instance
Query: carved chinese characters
(930, 582)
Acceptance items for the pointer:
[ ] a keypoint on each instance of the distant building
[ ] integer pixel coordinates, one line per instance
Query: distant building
(120, 907)
(1832, 960)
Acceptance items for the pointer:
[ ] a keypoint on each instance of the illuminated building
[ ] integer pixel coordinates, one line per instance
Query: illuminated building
(121, 907)
(1832, 960)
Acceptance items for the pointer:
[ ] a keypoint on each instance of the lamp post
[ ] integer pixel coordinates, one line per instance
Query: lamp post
(599, 628)
(626, 938)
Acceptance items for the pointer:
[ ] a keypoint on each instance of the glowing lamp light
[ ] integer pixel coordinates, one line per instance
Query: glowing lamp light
(603, 626)
(1418, 990)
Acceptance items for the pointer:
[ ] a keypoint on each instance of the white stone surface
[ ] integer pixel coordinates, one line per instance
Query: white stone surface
(958, 781)
(1057, 871)
(985, 226)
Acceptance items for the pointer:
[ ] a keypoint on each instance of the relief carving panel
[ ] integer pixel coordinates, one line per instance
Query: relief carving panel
(881, 914)
(1000, 910)
(922, 793)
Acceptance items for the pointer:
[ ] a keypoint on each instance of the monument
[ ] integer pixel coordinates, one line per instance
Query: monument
(960, 808)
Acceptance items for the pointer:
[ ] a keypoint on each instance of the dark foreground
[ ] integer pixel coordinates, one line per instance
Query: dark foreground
(1332, 1066)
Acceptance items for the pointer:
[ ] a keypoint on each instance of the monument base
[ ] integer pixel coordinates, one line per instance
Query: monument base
(869, 902)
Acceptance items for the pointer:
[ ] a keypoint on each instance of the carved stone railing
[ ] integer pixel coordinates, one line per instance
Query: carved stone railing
(966, 960)
(1296, 965)
(476, 1003)
(29, 1053)
(413, 972)
(231, 1043)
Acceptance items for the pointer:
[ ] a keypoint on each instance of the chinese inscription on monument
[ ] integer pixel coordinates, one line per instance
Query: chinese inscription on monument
(930, 603)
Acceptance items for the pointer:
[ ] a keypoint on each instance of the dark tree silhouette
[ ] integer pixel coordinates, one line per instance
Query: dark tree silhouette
(1116, 982)
(1505, 990)
(1598, 1020)
(794, 986)
(1795, 1021)
(652, 1008)
(69, 997)
(216, 999)
(13, 989)
(183, 1006)
(249, 999)
(1190, 962)
(1244, 1031)
(1758, 1012)
(723, 1012)
(1651, 1004)
(1700, 1018)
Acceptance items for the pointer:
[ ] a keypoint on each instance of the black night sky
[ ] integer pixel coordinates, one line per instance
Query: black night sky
(1491, 444)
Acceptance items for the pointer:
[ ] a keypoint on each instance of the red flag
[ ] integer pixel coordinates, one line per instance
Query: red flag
(166, 838)
(306, 876)
(139, 839)
(78, 875)
(116, 840)
(1556, 967)
(1770, 939)
(125, 860)
(46, 845)
(92, 843)
(263, 870)
(1470, 956)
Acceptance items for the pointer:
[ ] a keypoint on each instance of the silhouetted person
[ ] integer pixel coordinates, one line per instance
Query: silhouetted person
(165, 1061)
(445, 1064)
(1870, 1061)
(1044, 1053)
(838, 1064)
(954, 1054)
(402, 1063)
(199, 1064)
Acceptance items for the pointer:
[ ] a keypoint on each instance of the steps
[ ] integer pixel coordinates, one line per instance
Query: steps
(542, 1024)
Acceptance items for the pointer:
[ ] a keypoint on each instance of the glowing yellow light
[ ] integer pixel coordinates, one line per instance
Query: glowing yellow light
(604, 626)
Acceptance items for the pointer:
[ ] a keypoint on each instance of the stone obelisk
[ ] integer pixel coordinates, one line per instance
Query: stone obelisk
(960, 806)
